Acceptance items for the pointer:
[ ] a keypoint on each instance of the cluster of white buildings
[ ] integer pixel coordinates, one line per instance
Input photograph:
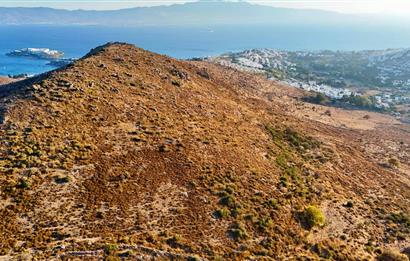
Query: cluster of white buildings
(264, 60)
(387, 100)
(42, 53)
(334, 93)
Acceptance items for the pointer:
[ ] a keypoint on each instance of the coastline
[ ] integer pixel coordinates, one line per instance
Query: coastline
(5, 80)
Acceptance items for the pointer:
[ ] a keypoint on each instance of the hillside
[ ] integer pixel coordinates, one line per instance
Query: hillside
(5, 80)
(130, 154)
(382, 76)
(382, 68)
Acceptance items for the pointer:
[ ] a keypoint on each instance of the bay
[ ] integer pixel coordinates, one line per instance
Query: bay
(188, 42)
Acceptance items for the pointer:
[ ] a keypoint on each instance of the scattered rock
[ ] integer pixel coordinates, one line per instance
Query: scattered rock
(180, 74)
(204, 73)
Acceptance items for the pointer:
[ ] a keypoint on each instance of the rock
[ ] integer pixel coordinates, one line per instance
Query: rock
(204, 73)
(180, 74)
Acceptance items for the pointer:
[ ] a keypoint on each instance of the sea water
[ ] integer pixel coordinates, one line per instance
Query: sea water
(187, 42)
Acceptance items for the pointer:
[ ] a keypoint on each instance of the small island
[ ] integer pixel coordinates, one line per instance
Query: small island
(39, 53)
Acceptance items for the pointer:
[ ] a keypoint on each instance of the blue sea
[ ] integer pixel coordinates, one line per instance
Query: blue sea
(187, 42)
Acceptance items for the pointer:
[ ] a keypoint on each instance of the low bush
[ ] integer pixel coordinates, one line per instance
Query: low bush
(312, 216)
(110, 249)
(62, 180)
(222, 213)
(237, 232)
(400, 218)
(393, 162)
(319, 98)
(392, 255)
(23, 184)
(228, 201)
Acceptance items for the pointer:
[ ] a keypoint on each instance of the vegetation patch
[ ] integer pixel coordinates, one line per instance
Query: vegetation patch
(237, 232)
(392, 255)
(110, 249)
(23, 184)
(349, 204)
(228, 201)
(318, 98)
(312, 217)
(400, 218)
(62, 180)
(393, 162)
(221, 213)
(293, 138)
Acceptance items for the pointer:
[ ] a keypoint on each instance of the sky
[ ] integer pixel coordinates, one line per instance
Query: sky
(390, 7)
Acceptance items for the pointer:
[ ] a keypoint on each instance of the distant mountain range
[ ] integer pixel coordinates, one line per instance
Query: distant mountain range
(196, 13)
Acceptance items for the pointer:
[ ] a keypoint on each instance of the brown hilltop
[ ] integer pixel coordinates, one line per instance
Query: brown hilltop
(131, 154)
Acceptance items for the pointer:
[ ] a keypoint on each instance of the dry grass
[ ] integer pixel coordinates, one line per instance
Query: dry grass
(139, 151)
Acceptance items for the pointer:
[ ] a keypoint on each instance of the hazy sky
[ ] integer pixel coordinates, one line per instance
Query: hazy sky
(401, 7)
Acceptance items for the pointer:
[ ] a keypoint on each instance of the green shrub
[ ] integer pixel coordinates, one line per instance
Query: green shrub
(323, 251)
(392, 255)
(319, 98)
(297, 140)
(110, 249)
(349, 204)
(265, 223)
(275, 134)
(393, 162)
(228, 201)
(62, 180)
(312, 216)
(222, 213)
(400, 218)
(175, 241)
(237, 233)
(293, 138)
(272, 203)
(283, 181)
(23, 184)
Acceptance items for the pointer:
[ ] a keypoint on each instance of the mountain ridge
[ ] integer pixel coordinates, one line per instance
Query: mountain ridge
(195, 13)
(127, 153)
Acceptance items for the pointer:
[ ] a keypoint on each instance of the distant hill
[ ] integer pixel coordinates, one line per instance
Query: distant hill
(380, 68)
(384, 73)
(196, 13)
(127, 154)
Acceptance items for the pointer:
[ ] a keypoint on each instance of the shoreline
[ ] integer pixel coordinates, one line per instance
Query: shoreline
(4, 79)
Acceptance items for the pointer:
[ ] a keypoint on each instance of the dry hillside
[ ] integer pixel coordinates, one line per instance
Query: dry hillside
(133, 155)
(5, 80)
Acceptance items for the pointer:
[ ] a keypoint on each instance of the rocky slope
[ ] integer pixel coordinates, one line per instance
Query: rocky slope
(129, 154)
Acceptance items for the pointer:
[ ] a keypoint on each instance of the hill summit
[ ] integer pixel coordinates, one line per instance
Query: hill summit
(130, 154)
